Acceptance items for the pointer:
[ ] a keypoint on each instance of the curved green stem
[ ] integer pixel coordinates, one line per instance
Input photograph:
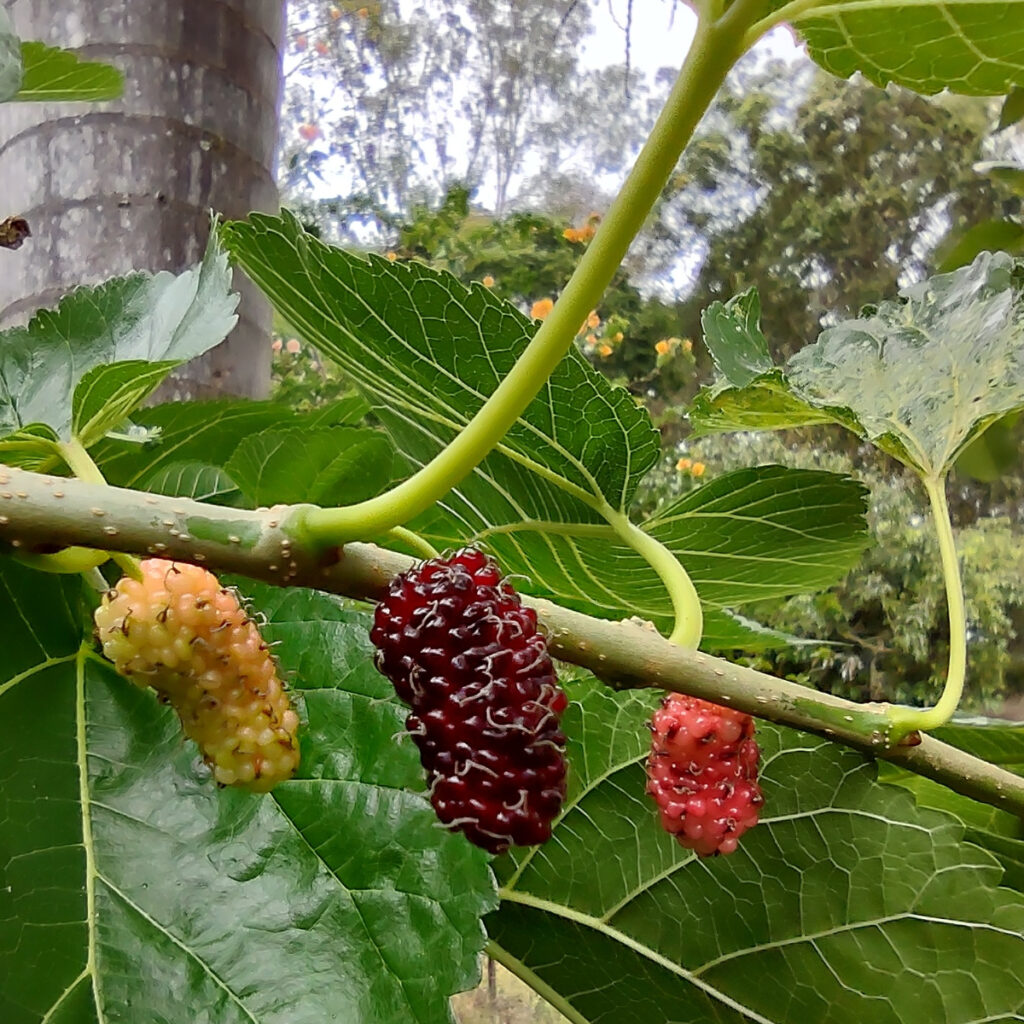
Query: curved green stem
(67, 560)
(788, 12)
(907, 720)
(413, 540)
(79, 461)
(716, 46)
(689, 624)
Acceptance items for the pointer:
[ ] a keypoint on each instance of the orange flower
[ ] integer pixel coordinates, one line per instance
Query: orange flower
(571, 235)
(591, 340)
(301, 42)
(321, 47)
(684, 464)
(334, 13)
(363, 12)
(540, 309)
(309, 131)
(292, 346)
(605, 351)
(593, 320)
(391, 255)
(617, 336)
(662, 348)
(488, 281)
(698, 469)
(275, 345)
(687, 345)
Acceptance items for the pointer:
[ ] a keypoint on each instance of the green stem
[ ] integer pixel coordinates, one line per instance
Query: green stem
(907, 720)
(67, 560)
(79, 461)
(789, 12)
(715, 48)
(689, 619)
(412, 540)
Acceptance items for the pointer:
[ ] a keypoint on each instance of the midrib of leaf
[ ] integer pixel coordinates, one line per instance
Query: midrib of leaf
(85, 802)
(588, 921)
(92, 872)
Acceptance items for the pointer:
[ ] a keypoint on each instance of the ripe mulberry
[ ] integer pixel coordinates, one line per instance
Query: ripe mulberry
(463, 651)
(179, 631)
(702, 773)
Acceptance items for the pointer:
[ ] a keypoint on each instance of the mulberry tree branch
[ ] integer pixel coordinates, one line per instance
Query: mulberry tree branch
(39, 512)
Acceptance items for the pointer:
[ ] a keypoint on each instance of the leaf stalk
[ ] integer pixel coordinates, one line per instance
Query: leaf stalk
(907, 720)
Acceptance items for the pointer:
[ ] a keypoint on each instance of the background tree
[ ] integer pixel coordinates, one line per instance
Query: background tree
(862, 184)
(129, 184)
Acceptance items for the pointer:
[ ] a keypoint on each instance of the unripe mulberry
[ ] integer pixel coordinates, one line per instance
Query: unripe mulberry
(702, 773)
(463, 651)
(179, 631)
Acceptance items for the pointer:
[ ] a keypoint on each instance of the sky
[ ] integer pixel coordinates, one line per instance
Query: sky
(660, 34)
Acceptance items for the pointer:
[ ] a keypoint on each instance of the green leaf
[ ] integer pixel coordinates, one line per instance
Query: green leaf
(1013, 109)
(198, 480)
(11, 66)
(334, 898)
(920, 377)
(107, 395)
(1006, 235)
(206, 432)
(724, 630)
(994, 454)
(966, 46)
(52, 74)
(203, 434)
(747, 535)
(1000, 743)
(847, 903)
(160, 317)
(1008, 174)
(34, 447)
(426, 351)
(325, 465)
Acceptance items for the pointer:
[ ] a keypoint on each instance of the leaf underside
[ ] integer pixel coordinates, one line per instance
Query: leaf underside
(920, 377)
(965, 46)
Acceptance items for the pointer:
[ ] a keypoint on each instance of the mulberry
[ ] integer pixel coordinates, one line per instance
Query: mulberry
(179, 631)
(702, 773)
(463, 651)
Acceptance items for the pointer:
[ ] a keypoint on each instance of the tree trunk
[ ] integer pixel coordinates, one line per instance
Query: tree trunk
(112, 187)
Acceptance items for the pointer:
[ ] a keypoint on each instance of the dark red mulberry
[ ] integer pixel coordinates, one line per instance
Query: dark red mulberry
(463, 651)
(702, 773)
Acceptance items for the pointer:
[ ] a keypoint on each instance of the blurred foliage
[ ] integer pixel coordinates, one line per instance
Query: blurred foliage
(855, 186)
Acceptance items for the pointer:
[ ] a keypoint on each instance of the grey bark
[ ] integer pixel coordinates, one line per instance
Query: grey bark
(112, 187)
